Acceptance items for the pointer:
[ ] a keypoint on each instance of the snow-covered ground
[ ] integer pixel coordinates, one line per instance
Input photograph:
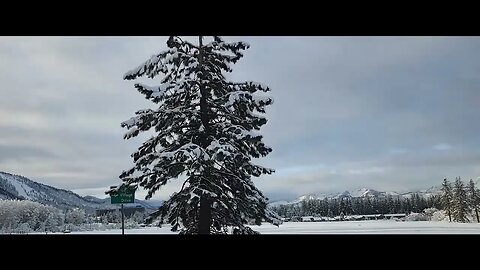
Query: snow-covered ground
(340, 227)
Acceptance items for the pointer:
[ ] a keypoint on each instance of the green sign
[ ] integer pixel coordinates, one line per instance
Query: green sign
(123, 196)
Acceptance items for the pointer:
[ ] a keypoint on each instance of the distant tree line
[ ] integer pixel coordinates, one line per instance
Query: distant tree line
(459, 202)
(332, 207)
(27, 216)
(116, 217)
(23, 216)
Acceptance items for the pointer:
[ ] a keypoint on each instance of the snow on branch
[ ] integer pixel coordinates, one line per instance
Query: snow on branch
(137, 120)
(155, 65)
(158, 93)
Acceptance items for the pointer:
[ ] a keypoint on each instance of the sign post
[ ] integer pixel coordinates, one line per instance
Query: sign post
(123, 224)
(123, 195)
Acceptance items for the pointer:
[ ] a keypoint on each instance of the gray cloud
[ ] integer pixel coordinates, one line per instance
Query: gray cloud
(17, 152)
(383, 112)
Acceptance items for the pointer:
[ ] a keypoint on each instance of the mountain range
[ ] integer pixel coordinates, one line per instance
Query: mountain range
(16, 187)
(360, 193)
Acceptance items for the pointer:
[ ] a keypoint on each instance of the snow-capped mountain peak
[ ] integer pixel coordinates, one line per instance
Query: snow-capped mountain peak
(359, 193)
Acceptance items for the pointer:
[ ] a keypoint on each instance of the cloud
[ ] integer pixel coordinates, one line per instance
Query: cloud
(397, 151)
(442, 147)
(349, 111)
(17, 152)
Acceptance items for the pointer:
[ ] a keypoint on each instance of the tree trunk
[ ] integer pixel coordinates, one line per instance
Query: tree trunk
(449, 216)
(476, 213)
(205, 215)
(205, 221)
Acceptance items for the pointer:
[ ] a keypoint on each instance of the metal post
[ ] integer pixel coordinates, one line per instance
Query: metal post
(123, 225)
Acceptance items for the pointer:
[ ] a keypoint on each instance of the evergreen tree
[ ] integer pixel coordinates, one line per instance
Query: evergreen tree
(348, 206)
(407, 205)
(474, 198)
(138, 217)
(397, 206)
(52, 222)
(390, 207)
(75, 216)
(343, 208)
(105, 219)
(359, 207)
(325, 208)
(205, 134)
(375, 206)
(447, 198)
(114, 216)
(434, 201)
(370, 205)
(460, 202)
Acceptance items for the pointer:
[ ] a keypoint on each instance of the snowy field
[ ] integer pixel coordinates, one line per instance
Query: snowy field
(339, 227)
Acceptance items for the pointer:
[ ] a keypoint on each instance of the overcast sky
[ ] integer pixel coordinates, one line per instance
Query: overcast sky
(388, 113)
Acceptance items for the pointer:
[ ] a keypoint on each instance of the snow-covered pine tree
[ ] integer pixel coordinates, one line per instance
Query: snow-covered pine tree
(75, 216)
(139, 217)
(460, 202)
(447, 198)
(204, 134)
(342, 207)
(474, 198)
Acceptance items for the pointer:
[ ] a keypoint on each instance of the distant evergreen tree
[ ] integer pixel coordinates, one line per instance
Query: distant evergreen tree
(348, 206)
(434, 201)
(408, 205)
(304, 207)
(368, 206)
(105, 219)
(324, 212)
(114, 216)
(54, 221)
(474, 198)
(317, 207)
(397, 206)
(375, 206)
(447, 198)
(334, 207)
(414, 199)
(390, 206)
(460, 202)
(75, 216)
(342, 208)
(139, 217)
